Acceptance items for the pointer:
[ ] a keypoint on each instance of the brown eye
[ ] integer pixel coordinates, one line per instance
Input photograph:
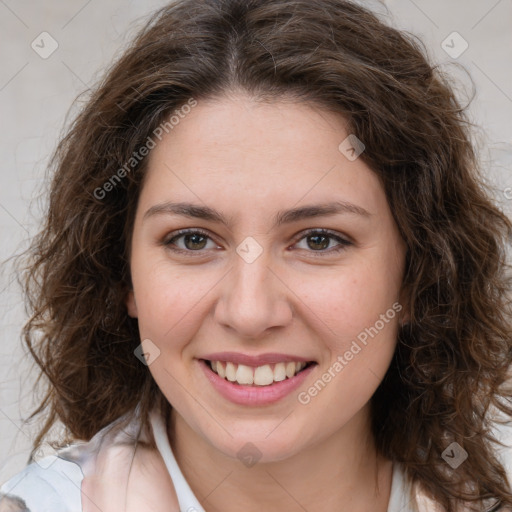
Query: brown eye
(194, 241)
(321, 241)
(318, 242)
(189, 241)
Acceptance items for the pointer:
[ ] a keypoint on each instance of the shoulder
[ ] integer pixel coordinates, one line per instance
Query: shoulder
(130, 480)
(113, 471)
(52, 484)
(116, 477)
(501, 429)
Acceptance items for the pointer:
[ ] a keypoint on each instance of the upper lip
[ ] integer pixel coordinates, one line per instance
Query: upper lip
(259, 360)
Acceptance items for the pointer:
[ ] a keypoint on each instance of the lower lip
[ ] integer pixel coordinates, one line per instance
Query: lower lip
(254, 395)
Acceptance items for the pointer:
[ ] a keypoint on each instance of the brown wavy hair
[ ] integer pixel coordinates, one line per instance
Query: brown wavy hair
(450, 366)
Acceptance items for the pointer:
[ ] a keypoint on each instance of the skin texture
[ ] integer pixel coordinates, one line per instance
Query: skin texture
(249, 160)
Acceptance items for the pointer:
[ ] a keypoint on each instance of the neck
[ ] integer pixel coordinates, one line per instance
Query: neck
(343, 469)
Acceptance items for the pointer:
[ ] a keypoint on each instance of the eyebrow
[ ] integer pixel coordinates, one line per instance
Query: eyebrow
(282, 217)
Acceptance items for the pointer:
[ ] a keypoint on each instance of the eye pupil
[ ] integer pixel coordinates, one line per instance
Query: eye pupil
(194, 237)
(323, 245)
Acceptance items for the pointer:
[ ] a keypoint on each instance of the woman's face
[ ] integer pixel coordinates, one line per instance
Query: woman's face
(255, 284)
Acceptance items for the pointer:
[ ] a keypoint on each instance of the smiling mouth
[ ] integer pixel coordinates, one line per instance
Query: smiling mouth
(264, 375)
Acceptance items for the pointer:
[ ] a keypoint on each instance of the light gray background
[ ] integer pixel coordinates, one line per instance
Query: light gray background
(36, 94)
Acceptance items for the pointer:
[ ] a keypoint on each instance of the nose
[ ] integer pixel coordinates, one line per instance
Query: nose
(255, 299)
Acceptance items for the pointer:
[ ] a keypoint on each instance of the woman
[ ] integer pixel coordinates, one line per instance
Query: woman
(270, 277)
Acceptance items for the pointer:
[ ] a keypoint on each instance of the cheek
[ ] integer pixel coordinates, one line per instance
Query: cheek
(361, 343)
(169, 299)
(159, 295)
(350, 300)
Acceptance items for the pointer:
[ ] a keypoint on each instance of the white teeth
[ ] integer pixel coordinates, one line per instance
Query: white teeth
(279, 372)
(290, 370)
(221, 370)
(231, 372)
(245, 375)
(261, 376)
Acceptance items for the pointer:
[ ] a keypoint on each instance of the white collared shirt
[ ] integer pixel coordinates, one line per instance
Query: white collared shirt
(54, 484)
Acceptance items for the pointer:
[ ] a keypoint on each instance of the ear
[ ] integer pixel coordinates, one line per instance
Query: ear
(405, 319)
(131, 305)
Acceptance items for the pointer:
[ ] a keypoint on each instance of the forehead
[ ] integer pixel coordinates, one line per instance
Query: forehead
(234, 147)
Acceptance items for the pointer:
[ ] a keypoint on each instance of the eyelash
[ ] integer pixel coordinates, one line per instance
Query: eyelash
(343, 243)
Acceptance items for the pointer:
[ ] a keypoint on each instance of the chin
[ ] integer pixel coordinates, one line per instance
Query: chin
(256, 446)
